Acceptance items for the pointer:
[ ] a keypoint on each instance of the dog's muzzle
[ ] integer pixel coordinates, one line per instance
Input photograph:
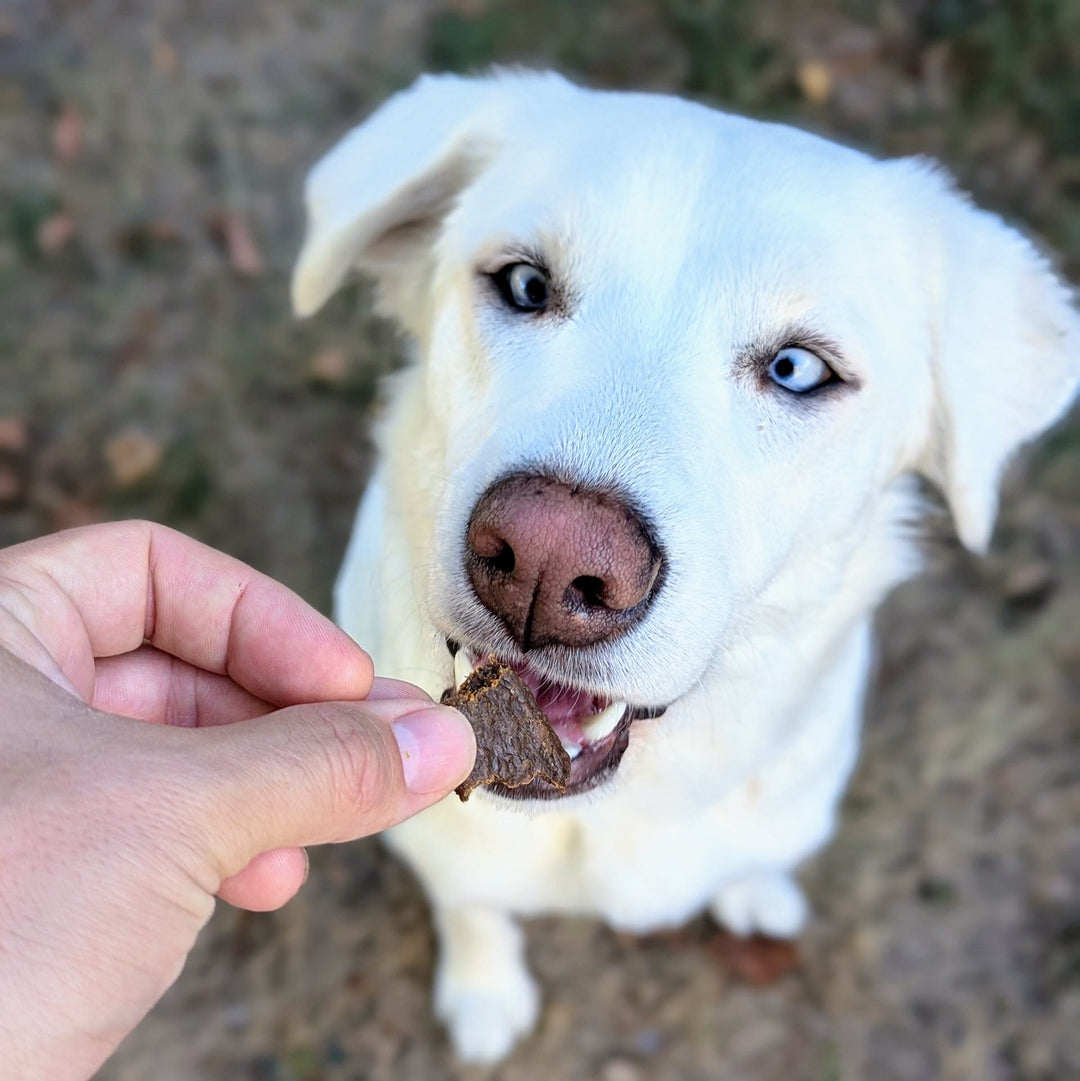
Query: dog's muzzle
(560, 564)
(594, 730)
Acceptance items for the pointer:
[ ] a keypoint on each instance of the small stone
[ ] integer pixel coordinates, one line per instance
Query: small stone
(620, 1069)
(648, 1041)
(236, 1016)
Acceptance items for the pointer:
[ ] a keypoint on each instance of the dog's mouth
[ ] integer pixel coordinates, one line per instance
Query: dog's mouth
(594, 730)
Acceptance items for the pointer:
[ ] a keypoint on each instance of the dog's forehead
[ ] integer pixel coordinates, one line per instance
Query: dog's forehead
(649, 188)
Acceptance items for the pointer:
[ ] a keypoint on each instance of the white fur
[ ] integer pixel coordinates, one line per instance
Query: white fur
(685, 236)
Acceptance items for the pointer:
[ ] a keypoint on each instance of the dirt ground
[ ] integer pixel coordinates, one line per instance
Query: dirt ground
(151, 155)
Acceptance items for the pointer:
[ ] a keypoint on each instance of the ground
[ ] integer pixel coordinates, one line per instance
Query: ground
(151, 157)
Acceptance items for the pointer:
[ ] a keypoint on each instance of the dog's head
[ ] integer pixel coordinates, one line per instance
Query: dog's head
(677, 369)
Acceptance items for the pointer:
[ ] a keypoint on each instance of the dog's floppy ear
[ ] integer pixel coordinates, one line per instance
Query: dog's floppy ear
(1006, 348)
(376, 199)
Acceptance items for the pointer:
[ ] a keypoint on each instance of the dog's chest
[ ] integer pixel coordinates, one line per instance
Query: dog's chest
(636, 871)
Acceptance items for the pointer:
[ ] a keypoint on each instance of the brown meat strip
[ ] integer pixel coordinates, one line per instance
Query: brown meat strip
(515, 744)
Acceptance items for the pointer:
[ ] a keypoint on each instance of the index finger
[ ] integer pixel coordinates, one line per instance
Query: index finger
(103, 590)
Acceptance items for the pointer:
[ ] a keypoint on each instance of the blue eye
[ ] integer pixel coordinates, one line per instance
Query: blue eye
(799, 370)
(523, 286)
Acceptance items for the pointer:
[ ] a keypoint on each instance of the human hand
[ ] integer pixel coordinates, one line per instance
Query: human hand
(116, 835)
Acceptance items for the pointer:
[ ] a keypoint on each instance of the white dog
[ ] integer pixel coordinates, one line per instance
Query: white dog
(677, 373)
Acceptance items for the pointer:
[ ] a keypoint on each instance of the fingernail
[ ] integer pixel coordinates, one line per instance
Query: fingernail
(437, 748)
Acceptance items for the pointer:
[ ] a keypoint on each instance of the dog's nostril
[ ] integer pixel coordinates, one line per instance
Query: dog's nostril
(588, 590)
(501, 561)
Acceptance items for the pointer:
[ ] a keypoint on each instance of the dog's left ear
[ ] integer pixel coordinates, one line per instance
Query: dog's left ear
(1006, 346)
(376, 200)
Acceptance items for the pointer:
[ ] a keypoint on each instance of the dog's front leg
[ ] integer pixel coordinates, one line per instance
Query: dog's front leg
(769, 901)
(483, 991)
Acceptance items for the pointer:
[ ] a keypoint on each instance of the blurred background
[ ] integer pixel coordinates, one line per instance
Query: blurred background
(151, 159)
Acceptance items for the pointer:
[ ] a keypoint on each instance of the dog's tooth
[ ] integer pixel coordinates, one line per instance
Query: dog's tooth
(462, 666)
(572, 750)
(603, 724)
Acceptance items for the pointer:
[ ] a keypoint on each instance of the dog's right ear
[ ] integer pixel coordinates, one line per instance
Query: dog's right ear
(376, 200)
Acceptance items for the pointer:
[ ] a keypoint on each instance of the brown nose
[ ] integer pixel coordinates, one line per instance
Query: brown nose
(559, 564)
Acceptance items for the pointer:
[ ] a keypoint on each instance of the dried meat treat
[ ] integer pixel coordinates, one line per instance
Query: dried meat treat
(515, 744)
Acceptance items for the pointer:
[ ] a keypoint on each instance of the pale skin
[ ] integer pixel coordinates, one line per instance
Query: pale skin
(174, 727)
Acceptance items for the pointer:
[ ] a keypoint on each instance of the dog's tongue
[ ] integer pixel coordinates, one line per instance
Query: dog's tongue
(564, 707)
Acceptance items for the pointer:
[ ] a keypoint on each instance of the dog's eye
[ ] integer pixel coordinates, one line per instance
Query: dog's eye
(523, 286)
(799, 370)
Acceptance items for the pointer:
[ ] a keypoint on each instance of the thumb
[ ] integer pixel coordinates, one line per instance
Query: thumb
(324, 772)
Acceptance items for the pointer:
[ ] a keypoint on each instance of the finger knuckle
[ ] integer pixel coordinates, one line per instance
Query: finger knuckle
(361, 766)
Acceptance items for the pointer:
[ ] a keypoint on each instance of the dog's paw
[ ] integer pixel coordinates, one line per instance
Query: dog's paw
(486, 1019)
(771, 904)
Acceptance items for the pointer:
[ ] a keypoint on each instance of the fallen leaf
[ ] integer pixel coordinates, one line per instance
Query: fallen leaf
(12, 483)
(853, 50)
(71, 513)
(14, 434)
(1028, 587)
(165, 58)
(236, 240)
(56, 232)
(759, 961)
(329, 365)
(132, 456)
(1024, 581)
(815, 81)
(69, 135)
(14, 466)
